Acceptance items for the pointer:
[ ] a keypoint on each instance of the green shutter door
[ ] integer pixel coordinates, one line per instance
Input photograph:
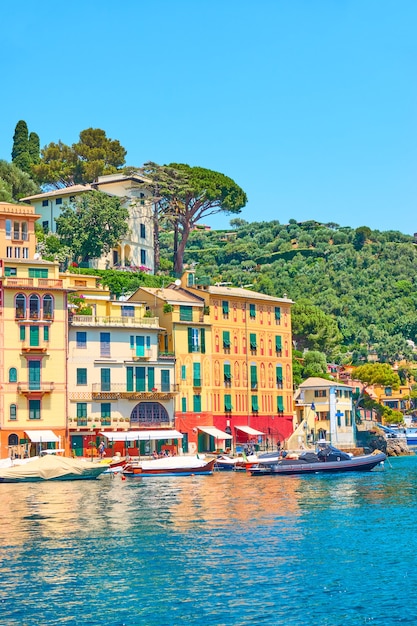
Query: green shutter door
(203, 340)
(105, 378)
(196, 375)
(129, 379)
(151, 378)
(253, 377)
(190, 340)
(165, 380)
(34, 375)
(34, 336)
(140, 346)
(140, 378)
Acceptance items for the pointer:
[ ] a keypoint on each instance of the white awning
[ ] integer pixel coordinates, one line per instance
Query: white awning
(142, 435)
(214, 432)
(41, 436)
(249, 430)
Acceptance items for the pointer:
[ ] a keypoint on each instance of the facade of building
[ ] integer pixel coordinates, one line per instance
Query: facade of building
(117, 383)
(137, 249)
(233, 362)
(325, 408)
(33, 340)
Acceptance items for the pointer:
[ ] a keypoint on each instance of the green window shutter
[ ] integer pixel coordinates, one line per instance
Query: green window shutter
(226, 339)
(22, 333)
(252, 341)
(227, 402)
(165, 380)
(34, 375)
(252, 310)
(255, 403)
(197, 404)
(279, 374)
(12, 375)
(186, 313)
(105, 378)
(132, 342)
(151, 378)
(183, 372)
(105, 409)
(196, 375)
(253, 377)
(203, 340)
(140, 379)
(81, 409)
(46, 333)
(227, 372)
(278, 343)
(190, 340)
(280, 404)
(129, 379)
(184, 405)
(81, 375)
(225, 307)
(34, 336)
(277, 313)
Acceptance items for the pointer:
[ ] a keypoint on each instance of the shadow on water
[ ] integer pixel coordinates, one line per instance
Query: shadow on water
(224, 549)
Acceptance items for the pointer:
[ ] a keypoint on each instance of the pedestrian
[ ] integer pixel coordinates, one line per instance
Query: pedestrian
(101, 450)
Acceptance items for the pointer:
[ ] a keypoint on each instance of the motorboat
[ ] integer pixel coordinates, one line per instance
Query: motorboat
(170, 466)
(51, 467)
(326, 460)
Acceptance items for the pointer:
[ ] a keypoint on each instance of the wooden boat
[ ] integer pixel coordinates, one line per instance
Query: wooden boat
(327, 460)
(170, 466)
(51, 467)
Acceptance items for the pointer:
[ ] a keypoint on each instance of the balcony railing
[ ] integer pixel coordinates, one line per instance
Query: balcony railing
(120, 390)
(166, 356)
(95, 320)
(27, 388)
(41, 283)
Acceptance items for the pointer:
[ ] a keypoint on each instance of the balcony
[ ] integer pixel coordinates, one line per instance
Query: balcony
(35, 388)
(109, 321)
(40, 283)
(145, 357)
(166, 356)
(118, 390)
(42, 348)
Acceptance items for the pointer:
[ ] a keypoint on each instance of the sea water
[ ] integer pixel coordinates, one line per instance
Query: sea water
(228, 549)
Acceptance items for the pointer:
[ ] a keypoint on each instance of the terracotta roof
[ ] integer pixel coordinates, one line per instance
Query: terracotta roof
(65, 191)
(316, 381)
(240, 292)
(173, 296)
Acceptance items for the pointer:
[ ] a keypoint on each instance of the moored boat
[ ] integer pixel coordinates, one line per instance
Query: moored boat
(52, 468)
(326, 460)
(170, 466)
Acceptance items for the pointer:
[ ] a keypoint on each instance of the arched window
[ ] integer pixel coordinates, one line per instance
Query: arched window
(34, 307)
(48, 307)
(20, 306)
(13, 412)
(13, 440)
(12, 375)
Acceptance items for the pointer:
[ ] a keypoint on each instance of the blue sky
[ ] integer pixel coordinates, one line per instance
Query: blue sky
(309, 105)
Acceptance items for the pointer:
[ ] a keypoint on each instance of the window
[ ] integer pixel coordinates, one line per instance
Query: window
(48, 307)
(105, 379)
(58, 201)
(24, 227)
(280, 404)
(105, 413)
(184, 405)
(140, 376)
(9, 253)
(197, 404)
(45, 202)
(277, 315)
(227, 375)
(278, 345)
(82, 409)
(81, 375)
(183, 372)
(8, 229)
(25, 253)
(128, 311)
(129, 379)
(186, 313)
(104, 344)
(81, 339)
(34, 375)
(17, 253)
(46, 333)
(255, 407)
(20, 306)
(13, 412)
(34, 409)
(225, 309)
(143, 257)
(16, 230)
(45, 226)
(388, 391)
(165, 380)
(34, 336)
(151, 378)
(10, 271)
(12, 375)
(37, 272)
(279, 377)
(227, 402)
(34, 307)
(226, 340)
(320, 393)
(348, 418)
(253, 377)
(252, 311)
(252, 342)
(143, 231)
(193, 337)
(196, 375)
(22, 333)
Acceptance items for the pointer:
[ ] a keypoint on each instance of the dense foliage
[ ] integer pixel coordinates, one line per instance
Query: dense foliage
(355, 290)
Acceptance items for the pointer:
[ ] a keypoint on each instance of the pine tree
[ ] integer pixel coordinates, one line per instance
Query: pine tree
(34, 148)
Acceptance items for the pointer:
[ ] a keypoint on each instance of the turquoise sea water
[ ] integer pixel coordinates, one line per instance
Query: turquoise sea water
(224, 549)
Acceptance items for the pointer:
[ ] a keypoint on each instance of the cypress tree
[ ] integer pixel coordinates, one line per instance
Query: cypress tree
(20, 140)
(34, 148)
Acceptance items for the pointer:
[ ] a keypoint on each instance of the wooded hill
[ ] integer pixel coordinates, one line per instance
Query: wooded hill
(354, 289)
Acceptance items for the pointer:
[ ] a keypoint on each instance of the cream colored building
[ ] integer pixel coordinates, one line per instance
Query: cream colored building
(324, 408)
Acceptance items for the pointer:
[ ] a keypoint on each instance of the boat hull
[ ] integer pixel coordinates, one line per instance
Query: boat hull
(145, 471)
(38, 479)
(356, 464)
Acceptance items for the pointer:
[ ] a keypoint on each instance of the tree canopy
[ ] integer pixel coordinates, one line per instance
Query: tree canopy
(25, 150)
(93, 226)
(92, 156)
(188, 194)
(15, 183)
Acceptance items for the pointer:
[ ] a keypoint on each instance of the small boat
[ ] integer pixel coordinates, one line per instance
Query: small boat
(51, 467)
(170, 466)
(326, 460)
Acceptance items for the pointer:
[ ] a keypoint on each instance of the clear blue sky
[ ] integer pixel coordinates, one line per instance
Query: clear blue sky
(309, 105)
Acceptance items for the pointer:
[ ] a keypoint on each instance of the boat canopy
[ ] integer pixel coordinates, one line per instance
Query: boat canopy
(214, 432)
(249, 430)
(42, 436)
(142, 435)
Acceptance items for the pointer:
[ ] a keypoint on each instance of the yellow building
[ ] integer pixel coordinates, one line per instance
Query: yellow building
(33, 340)
(324, 411)
(233, 361)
